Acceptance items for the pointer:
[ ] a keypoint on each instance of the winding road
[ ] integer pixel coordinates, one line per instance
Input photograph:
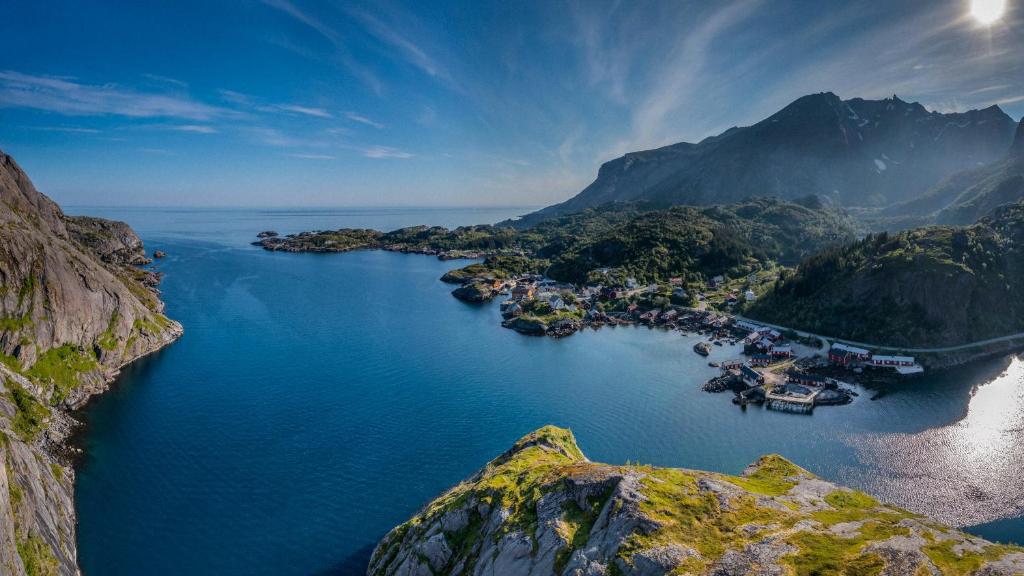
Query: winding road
(830, 339)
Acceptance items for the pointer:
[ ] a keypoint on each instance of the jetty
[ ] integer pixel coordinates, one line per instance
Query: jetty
(791, 398)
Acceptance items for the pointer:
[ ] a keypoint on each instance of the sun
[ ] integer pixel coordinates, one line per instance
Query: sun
(987, 11)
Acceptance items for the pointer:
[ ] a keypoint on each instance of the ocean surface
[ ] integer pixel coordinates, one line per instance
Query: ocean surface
(316, 401)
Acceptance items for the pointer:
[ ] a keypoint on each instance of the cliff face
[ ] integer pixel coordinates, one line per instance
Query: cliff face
(73, 311)
(542, 508)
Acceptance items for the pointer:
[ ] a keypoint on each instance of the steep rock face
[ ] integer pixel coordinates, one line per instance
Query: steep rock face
(859, 152)
(542, 508)
(114, 242)
(73, 311)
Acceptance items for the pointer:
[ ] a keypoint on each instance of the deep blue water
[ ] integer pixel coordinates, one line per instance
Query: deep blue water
(316, 401)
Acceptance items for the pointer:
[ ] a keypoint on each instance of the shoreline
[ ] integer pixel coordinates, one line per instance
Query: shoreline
(934, 361)
(935, 358)
(70, 450)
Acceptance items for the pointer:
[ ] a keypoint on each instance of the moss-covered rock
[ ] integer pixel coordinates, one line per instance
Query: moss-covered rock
(543, 508)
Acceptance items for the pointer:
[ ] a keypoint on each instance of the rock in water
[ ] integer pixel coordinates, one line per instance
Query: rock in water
(75, 309)
(474, 292)
(542, 508)
(159, 254)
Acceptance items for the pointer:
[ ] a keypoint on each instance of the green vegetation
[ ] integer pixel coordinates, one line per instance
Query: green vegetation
(825, 553)
(36, 556)
(575, 527)
(108, 340)
(612, 242)
(768, 518)
(61, 368)
(773, 476)
(935, 286)
(965, 562)
(541, 311)
(30, 416)
(499, 267)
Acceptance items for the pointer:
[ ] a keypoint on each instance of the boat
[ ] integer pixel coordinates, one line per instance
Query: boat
(714, 364)
(702, 348)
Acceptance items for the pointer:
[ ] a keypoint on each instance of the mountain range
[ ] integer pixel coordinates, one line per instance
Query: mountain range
(966, 196)
(856, 153)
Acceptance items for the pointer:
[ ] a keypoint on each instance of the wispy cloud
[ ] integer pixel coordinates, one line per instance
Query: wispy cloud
(166, 80)
(255, 104)
(342, 53)
(363, 120)
(279, 139)
(406, 49)
(677, 80)
(306, 110)
(384, 152)
(67, 129)
(71, 98)
(311, 156)
(194, 128)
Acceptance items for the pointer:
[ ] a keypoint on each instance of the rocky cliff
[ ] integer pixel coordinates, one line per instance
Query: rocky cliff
(542, 508)
(857, 152)
(73, 310)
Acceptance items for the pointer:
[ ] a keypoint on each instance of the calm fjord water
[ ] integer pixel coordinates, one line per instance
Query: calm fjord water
(316, 401)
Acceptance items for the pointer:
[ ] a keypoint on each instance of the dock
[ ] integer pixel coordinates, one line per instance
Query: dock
(791, 399)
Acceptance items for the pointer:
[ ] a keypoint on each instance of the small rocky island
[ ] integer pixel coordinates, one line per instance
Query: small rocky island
(542, 508)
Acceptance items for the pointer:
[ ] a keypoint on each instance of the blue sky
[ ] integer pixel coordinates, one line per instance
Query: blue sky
(306, 103)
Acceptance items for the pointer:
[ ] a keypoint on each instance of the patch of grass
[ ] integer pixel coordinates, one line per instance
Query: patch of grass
(575, 527)
(15, 323)
(946, 559)
(694, 518)
(108, 340)
(825, 553)
(61, 367)
(852, 506)
(11, 362)
(30, 416)
(37, 556)
(771, 476)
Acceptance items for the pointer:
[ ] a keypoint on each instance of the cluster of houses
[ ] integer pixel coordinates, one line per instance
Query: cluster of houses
(848, 356)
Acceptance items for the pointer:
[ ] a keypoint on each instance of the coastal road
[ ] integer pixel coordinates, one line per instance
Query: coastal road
(941, 350)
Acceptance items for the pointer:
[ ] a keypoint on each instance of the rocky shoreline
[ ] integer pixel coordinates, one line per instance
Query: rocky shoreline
(76, 308)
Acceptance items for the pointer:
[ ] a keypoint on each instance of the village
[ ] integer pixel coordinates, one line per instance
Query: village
(774, 367)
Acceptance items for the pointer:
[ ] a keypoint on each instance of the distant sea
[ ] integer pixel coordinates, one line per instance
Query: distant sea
(316, 401)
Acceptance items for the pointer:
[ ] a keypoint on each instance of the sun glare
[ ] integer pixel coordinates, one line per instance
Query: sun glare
(987, 11)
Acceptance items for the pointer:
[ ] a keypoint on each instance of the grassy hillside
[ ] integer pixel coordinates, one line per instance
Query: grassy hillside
(543, 508)
(931, 286)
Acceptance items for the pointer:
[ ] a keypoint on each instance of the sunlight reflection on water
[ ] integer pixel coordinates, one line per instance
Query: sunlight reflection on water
(965, 473)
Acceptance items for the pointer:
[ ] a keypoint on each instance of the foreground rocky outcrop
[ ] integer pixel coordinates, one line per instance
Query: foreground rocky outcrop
(542, 508)
(74, 309)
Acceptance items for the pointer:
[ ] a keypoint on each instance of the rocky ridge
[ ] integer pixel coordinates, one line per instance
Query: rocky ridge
(542, 508)
(74, 309)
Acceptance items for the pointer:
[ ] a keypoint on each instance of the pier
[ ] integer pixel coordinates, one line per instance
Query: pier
(791, 398)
